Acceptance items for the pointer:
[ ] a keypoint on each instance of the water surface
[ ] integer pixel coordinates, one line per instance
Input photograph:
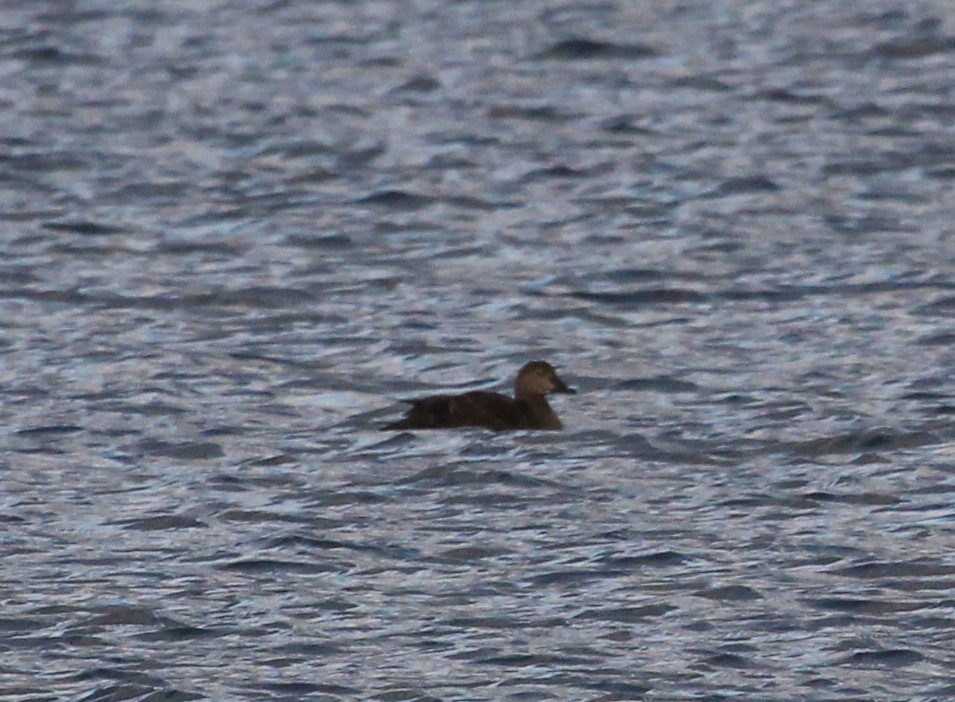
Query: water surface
(234, 235)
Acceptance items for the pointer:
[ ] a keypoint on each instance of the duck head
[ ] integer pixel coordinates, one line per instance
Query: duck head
(538, 378)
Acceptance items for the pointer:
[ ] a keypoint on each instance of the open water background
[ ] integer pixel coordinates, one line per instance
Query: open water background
(232, 234)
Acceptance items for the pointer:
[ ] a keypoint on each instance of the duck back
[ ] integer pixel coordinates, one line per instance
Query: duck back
(490, 410)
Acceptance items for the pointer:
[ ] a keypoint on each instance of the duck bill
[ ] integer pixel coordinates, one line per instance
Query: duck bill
(561, 386)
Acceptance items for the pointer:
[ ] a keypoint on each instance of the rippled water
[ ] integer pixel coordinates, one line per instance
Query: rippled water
(234, 234)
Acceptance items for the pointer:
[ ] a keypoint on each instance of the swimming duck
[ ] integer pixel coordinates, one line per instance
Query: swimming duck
(528, 409)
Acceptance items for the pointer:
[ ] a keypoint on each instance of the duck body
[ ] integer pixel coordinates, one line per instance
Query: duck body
(529, 408)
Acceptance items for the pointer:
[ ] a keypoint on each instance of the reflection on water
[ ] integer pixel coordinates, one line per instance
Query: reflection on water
(228, 253)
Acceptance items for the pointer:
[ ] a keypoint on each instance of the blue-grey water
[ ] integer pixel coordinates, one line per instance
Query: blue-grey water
(234, 234)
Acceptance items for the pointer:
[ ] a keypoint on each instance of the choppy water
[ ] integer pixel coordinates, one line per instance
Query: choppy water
(233, 234)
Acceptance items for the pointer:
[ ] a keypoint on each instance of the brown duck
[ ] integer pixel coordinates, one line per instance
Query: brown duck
(528, 409)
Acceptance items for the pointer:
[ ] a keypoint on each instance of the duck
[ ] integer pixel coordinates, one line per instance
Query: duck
(528, 409)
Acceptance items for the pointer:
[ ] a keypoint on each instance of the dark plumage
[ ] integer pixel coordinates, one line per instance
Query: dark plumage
(528, 409)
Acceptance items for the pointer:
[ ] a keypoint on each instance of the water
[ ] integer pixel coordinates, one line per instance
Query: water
(234, 234)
